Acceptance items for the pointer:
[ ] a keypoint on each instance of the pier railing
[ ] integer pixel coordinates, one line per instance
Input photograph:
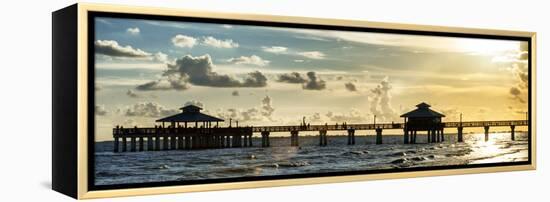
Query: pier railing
(383, 126)
(145, 132)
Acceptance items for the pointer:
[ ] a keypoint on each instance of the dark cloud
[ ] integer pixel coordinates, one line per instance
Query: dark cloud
(235, 93)
(132, 94)
(516, 94)
(198, 71)
(293, 77)
(100, 110)
(314, 82)
(350, 86)
(255, 79)
(149, 109)
(112, 48)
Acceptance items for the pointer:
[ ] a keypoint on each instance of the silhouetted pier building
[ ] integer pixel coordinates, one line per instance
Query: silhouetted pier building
(423, 119)
(189, 129)
(192, 129)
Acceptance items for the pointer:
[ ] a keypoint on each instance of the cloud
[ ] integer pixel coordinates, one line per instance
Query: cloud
(299, 61)
(113, 49)
(312, 54)
(109, 49)
(227, 26)
(235, 93)
(267, 107)
(132, 94)
(263, 112)
(100, 110)
(314, 82)
(198, 71)
(133, 30)
(149, 109)
(194, 102)
(160, 57)
(516, 94)
(184, 41)
(350, 86)
(380, 101)
(217, 43)
(354, 116)
(252, 60)
(293, 77)
(275, 49)
(164, 84)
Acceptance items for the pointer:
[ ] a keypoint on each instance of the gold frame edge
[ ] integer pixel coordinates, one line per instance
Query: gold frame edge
(85, 193)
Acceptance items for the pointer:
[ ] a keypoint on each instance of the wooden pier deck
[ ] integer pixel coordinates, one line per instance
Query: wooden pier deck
(182, 138)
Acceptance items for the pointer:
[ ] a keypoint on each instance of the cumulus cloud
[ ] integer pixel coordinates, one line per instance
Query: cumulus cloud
(169, 83)
(227, 26)
(218, 43)
(312, 54)
(267, 107)
(517, 62)
(350, 86)
(100, 110)
(380, 101)
(199, 72)
(252, 60)
(263, 112)
(109, 49)
(293, 77)
(132, 94)
(314, 82)
(184, 41)
(275, 49)
(353, 116)
(194, 102)
(235, 93)
(113, 49)
(148, 109)
(516, 94)
(133, 30)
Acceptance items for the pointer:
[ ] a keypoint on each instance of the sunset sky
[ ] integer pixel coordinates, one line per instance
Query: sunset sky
(146, 70)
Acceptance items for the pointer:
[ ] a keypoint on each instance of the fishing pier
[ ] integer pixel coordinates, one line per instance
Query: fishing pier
(192, 129)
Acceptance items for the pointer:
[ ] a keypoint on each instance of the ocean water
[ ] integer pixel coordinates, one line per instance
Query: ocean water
(281, 159)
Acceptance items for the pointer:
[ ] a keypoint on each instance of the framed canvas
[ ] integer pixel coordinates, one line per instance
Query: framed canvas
(155, 100)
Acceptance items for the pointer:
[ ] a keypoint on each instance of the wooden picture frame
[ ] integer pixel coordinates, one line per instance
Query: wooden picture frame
(75, 141)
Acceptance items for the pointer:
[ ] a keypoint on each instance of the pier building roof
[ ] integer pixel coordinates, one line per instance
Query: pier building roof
(190, 113)
(422, 111)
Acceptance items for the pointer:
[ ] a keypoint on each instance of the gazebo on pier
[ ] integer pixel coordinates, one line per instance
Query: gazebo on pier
(423, 119)
(190, 114)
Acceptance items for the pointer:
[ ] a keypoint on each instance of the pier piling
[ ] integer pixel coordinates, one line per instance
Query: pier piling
(486, 133)
(459, 133)
(141, 144)
(115, 148)
(322, 138)
(379, 136)
(294, 141)
(512, 132)
(124, 144)
(351, 136)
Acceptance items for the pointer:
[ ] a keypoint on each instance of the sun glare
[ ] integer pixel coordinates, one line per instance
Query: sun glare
(487, 46)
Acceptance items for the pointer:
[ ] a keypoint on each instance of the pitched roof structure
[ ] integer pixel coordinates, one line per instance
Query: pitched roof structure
(422, 111)
(190, 113)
